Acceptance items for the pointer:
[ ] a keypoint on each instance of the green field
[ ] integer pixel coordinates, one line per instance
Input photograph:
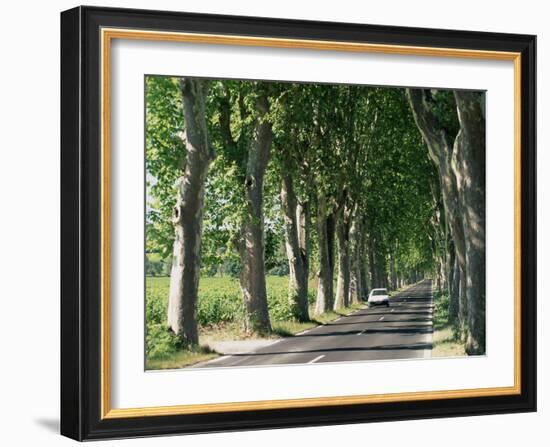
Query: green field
(220, 299)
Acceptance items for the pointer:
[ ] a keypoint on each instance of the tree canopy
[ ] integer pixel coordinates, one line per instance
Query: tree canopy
(329, 183)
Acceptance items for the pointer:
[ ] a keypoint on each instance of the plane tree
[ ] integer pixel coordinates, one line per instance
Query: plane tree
(293, 151)
(453, 127)
(178, 154)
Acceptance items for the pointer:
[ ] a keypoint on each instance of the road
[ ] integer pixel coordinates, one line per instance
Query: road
(402, 331)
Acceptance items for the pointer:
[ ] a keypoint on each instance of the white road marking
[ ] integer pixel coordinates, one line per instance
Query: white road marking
(316, 358)
(362, 332)
(381, 318)
(393, 310)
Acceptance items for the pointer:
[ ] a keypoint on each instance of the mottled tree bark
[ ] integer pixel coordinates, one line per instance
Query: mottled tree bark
(251, 244)
(298, 276)
(454, 287)
(364, 273)
(356, 273)
(331, 241)
(325, 298)
(374, 282)
(471, 159)
(393, 275)
(303, 216)
(364, 262)
(440, 274)
(188, 214)
(343, 237)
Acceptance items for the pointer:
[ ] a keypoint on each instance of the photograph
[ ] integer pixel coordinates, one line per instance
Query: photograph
(302, 223)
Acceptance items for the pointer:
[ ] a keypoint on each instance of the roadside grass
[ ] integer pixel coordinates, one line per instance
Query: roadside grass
(182, 358)
(290, 328)
(445, 342)
(220, 316)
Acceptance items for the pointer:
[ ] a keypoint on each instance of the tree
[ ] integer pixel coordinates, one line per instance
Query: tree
(292, 136)
(459, 156)
(188, 214)
(357, 287)
(470, 143)
(295, 236)
(251, 246)
(324, 165)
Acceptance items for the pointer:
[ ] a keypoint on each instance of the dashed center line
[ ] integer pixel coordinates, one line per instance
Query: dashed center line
(316, 358)
(393, 310)
(362, 332)
(381, 318)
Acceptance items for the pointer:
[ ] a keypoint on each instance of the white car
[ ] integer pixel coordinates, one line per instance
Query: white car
(379, 297)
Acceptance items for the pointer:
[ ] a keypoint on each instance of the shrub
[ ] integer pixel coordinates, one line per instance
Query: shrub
(160, 342)
(218, 306)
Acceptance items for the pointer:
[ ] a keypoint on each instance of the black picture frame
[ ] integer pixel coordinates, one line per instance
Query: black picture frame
(81, 223)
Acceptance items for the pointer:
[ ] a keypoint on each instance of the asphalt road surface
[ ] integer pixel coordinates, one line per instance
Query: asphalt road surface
(401, 331)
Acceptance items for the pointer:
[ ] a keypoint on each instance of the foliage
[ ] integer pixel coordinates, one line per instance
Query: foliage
(164, 150)
(159, 342)
(441, 309)
(379, 159)
(156, 266)
(399, 172)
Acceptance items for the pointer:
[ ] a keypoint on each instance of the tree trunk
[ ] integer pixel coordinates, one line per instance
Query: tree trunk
(374, 283)
(297, 283)
(471, 157)
(331, 241)
(343, 280)
(441, 274)
(188, 215)
(366, 262)
(393, 275)
(356, 242)
(454, 288)
(364, 275)
(251, 246)
(303, 217)
(324, 300)
(462, 303)
(380, 268)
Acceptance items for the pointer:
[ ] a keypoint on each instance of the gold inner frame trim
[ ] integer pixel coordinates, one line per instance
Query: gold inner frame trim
(107, 35)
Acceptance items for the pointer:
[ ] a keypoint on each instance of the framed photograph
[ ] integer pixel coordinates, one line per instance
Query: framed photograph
(274, 223)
